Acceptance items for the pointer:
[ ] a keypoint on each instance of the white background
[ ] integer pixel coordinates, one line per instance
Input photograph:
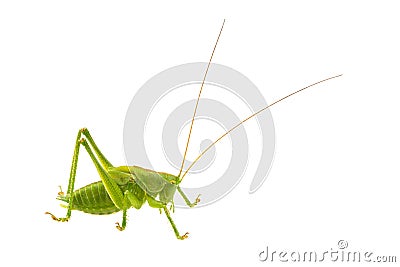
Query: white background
(65, 65)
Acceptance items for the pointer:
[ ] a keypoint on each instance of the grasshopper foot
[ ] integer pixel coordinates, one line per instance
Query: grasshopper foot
(197, 200)
(60, 193)
(183, 237)
(56, 218)
(119, 227)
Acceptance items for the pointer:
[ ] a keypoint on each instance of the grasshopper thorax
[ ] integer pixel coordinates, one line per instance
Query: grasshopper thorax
(158, 185)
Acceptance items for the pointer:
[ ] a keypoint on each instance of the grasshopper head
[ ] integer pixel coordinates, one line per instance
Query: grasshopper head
(170, 178)
(167, 193)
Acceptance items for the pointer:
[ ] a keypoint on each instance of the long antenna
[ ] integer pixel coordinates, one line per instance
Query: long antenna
(251, 116)
(198, 98)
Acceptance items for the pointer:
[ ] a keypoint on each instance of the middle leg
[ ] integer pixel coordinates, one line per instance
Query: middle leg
(123, 224)
(159, 205)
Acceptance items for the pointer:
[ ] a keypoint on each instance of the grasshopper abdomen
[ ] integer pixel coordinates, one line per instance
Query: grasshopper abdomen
(93, 199)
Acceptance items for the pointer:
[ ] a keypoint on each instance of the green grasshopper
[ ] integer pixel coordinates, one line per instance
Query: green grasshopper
(124, 187)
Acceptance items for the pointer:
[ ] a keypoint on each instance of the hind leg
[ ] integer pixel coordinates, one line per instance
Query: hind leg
(104, 162)
(71, 181)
